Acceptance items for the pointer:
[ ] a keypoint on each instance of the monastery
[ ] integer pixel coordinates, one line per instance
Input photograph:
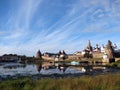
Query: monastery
(107, 53)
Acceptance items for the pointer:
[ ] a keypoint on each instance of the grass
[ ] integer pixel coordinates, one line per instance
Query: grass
(101, 82)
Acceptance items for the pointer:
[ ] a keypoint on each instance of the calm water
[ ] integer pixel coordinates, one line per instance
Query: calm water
(47, 68)
(32, 69)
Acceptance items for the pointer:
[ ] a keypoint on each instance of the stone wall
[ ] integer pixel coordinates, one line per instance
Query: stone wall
(48, 58)
(117, 59)
(74, 57)
(97, 55)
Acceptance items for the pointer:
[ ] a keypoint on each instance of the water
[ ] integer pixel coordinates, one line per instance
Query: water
(13, 69)
(47, 68)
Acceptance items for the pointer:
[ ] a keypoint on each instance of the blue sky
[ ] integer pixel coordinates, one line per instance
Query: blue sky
(53, 25)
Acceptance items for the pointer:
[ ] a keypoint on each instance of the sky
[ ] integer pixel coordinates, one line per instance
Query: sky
(52, 25)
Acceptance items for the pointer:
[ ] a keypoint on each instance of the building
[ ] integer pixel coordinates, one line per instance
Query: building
(97, 49)
(87, 52)
(102, 49)
(47, 54)
(78, 53)
(63, 55)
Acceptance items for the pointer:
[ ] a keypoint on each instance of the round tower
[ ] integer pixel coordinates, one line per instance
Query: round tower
(109, 50)
(39, 55)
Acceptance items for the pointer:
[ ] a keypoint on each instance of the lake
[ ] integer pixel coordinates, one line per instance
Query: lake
(32, 69)
(48, 68)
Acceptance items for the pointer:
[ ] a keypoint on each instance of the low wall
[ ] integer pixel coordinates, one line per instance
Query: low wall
(117, 59)
(97, 55)
(48, 58)
(74, 57)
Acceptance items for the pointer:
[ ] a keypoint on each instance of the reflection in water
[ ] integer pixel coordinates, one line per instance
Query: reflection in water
(62, 67)
(45, 68)
(14, 66)
(48, 65)
(39, 66)
(88, 69)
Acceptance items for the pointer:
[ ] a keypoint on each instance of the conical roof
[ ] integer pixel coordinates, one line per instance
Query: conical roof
(38, 54)
(109, 49)
(89, 46)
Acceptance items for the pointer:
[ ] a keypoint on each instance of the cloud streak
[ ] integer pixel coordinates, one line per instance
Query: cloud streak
(36, 26)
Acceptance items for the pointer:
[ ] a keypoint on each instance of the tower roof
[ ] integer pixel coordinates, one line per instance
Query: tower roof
(89, 45)
(38, 54)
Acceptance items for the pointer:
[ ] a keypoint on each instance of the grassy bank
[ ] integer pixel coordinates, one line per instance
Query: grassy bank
(101, 82)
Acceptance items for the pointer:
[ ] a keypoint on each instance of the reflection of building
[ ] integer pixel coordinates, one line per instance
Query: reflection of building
(62, 67)
(14, 66)
(47, 65)
(39, 66)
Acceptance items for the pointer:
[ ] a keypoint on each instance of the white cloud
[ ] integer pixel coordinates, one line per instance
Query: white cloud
(24, 13)
(64, 28)
(67, 33)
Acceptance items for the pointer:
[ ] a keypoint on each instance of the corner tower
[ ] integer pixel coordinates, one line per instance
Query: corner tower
(39, 55)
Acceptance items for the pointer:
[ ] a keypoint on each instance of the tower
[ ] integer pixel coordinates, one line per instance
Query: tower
(109, 50)
(89, 47)
(39, 55)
